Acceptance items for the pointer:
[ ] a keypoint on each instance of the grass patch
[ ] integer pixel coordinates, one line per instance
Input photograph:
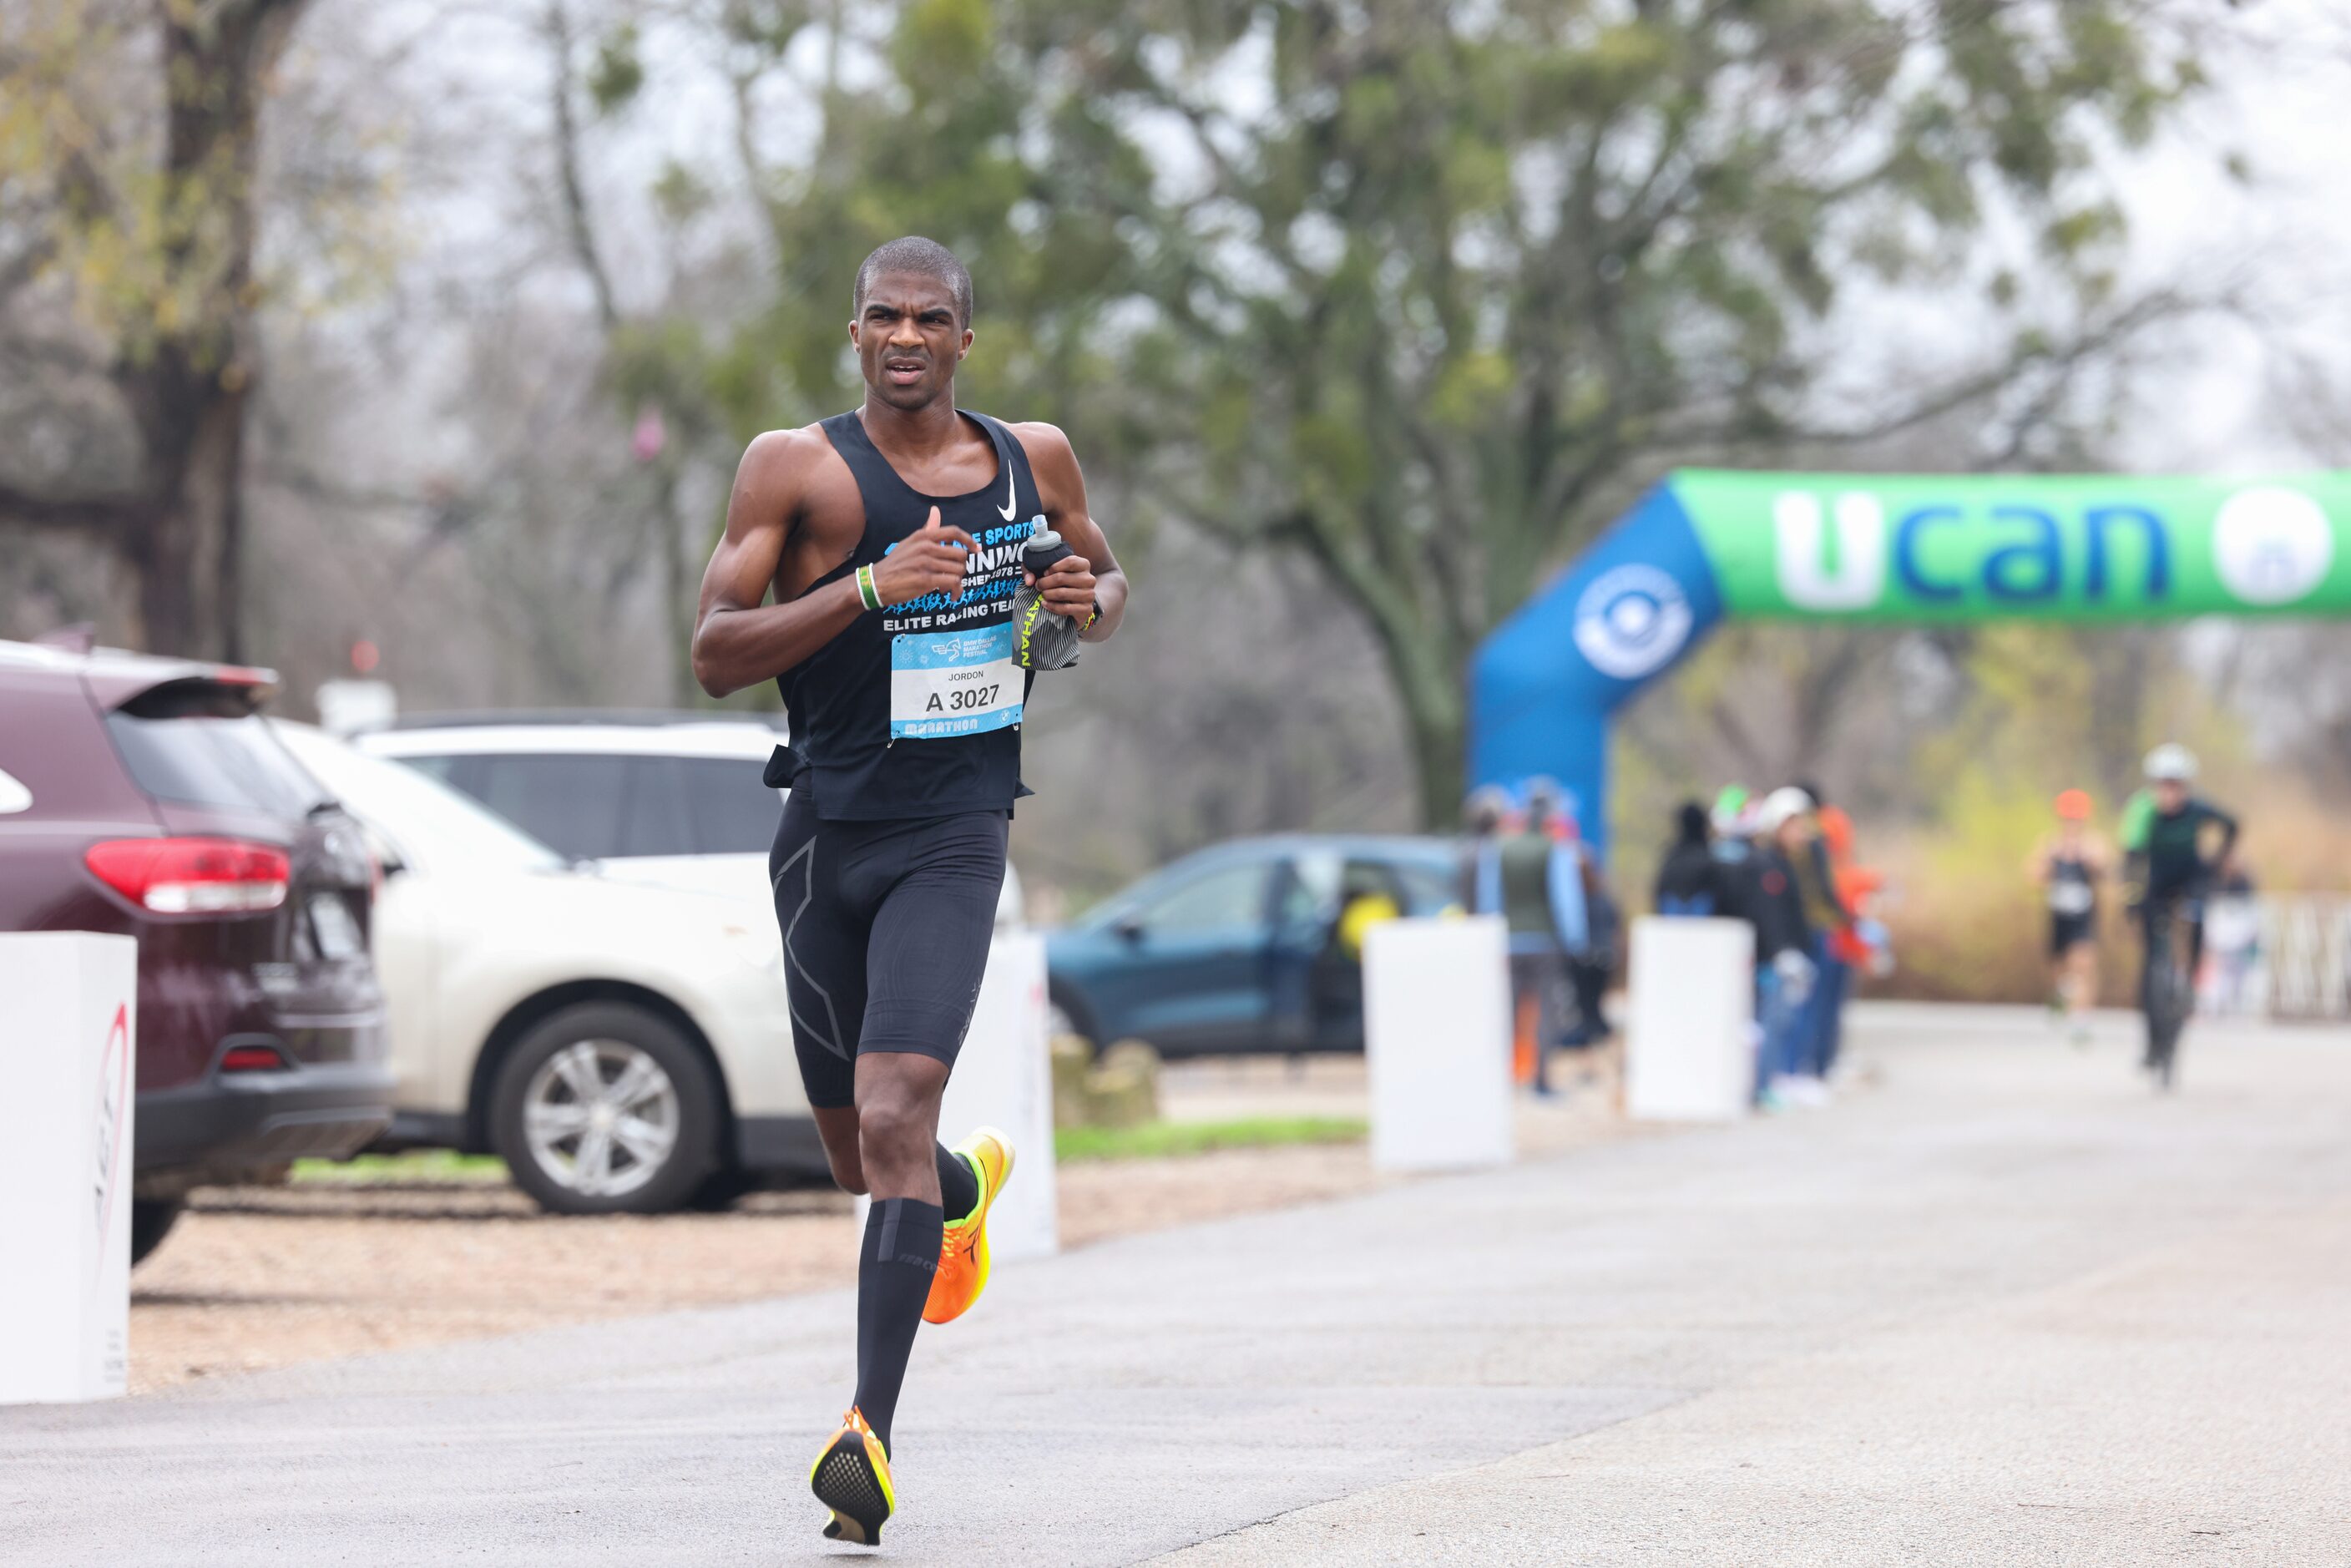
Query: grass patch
(1157, 1140)
(429, 1166)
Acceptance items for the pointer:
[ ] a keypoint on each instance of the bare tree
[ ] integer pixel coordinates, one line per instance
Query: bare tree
(133, 194)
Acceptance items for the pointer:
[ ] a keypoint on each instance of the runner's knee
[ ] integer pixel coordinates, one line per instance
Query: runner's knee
(895, 1125)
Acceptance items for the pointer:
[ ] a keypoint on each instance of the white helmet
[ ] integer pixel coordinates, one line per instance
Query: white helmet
(2170, 763)
(1782, 805)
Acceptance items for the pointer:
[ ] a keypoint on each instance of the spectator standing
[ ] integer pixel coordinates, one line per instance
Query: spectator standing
(1827, 920)
(1485, 814)
(1783, 941)
(1584, 914)
(1571, 915)
(2233, 936)
(1688, 880)
(1735, 826)
(1512, 873)
(1843, 949)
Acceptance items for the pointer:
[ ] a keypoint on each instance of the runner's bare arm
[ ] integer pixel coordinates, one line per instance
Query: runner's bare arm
(1072, 586)
(738, 640)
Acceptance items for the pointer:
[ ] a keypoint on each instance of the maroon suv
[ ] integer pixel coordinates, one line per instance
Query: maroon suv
(147, 796)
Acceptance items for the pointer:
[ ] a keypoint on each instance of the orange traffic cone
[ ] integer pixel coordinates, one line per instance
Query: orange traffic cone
(1523, 1044)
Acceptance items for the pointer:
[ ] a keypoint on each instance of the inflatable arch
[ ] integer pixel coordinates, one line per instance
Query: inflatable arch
(1884, 549)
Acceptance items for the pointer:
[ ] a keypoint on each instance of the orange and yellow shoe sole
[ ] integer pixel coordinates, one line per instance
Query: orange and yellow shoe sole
(960, 1280)
(852, 1477)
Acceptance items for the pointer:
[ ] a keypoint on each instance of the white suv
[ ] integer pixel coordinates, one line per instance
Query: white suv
(624, 1046)
(674, 798)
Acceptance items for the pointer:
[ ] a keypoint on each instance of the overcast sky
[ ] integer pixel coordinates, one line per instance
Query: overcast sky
(2285, 101)
(2283, 80)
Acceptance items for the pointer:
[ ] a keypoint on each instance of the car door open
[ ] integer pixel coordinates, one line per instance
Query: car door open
(1197, 975)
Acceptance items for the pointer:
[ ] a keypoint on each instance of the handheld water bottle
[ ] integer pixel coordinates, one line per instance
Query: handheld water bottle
(1041, 639)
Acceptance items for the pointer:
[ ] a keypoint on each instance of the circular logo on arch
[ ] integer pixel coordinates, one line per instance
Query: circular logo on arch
(2272, 545)
(1631, 620)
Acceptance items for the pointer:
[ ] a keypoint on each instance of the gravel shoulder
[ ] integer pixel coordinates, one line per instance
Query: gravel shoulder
(261, 1277)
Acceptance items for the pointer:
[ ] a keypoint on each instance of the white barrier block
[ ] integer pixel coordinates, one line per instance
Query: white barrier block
(1688, 1055)
(68, 1032)
(1003, 1077)
(1436, 1030)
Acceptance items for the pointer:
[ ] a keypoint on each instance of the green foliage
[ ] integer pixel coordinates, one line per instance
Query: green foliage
(619, 72)
(1423, 291)
(1161, 1140)
(150, 216)
(681, 194)
(435, 1167)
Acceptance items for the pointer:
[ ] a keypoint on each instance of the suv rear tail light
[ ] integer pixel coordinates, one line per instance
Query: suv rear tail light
(254, 1059)
(192, 876)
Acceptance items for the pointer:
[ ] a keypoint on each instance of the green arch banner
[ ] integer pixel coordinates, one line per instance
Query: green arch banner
(1885, 549)
(2069, 547)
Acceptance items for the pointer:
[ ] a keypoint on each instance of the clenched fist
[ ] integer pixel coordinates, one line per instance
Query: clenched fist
(931, 560)
(1067, 587)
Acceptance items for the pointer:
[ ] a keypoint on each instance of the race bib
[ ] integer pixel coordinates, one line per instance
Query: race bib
(2071, 897)
(946, 684)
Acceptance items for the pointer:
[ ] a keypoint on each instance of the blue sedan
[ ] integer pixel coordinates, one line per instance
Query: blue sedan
(1238, 947)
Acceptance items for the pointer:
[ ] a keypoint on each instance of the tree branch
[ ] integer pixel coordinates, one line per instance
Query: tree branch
(103, 513)
(575, 223)
(2158, 306)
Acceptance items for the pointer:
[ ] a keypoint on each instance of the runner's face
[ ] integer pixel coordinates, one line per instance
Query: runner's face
(2170, 795)
(908, 340)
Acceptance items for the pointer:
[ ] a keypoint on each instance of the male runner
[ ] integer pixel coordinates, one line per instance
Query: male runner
(891, 536)
(2166, 867)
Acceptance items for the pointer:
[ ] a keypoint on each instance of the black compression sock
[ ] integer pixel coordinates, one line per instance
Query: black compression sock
(958, 1186)
(893, 1279)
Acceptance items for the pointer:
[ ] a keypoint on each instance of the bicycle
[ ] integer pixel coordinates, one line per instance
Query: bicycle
(2168, 991)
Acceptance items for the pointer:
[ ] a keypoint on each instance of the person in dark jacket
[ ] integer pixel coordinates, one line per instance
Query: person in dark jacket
(1690, 880)
(1784, 972)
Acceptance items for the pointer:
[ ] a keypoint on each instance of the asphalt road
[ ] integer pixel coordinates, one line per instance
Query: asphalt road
(2005, 1307)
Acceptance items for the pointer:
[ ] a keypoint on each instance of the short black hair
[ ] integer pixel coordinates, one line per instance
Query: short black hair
(926, 257)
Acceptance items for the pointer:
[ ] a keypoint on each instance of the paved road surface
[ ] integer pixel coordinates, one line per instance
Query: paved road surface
(2005, 1308)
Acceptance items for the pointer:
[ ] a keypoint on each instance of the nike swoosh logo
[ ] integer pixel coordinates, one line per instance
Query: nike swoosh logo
(1006, 511)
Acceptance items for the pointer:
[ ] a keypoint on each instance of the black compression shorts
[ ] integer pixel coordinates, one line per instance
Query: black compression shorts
(2067, 932)
(886, 927)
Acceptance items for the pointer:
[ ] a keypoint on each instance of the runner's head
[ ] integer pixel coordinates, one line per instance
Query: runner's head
(912, 324)
(2074, 805)
(1487, 809)
(1732, 818)
(1787, 815)
(2169, 766)
(1547, 805)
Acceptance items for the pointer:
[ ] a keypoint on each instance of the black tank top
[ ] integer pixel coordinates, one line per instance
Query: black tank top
(914, 709)
(2072, 893)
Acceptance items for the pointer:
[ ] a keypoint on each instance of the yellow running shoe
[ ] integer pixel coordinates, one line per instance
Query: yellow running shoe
(852, 1477)
(963, 1249)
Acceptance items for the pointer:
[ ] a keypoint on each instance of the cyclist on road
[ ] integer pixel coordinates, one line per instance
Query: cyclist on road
(898, 540)
(2166, 868)
(2069, 865)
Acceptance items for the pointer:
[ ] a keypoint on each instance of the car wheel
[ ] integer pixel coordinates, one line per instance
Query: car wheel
(605, 1108)
(152, 1219)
